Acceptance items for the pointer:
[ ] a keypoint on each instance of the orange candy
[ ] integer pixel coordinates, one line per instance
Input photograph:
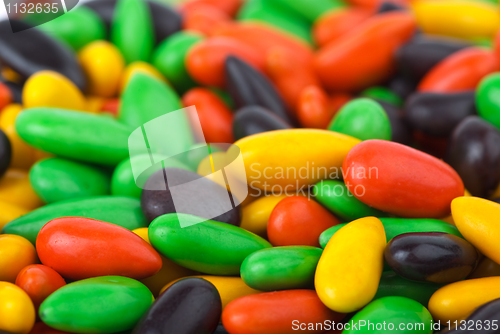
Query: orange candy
(215, 117)
(336, 23)
(315, 109)
(204, 19)
(39, 281)
(365, 56)
(229, 7)
(205, 61)
(297, 220)
(289, 79)
(277, 312)
(264, 38)
(463, 70)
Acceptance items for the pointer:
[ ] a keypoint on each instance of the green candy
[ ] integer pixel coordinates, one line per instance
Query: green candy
(74, 134)
(281, 268)
(146, 98)
(169, 58)
(363, 119)
(77, 27)
(396, 226)
(196, 153)
(123, 182)
(278, 16)
(393, 312)
(383, 94)
(209, 247)
(132, 30)
(121, 211)
(106, 304)
(335, 196)
(57, 179)
(391, 284)
(488, 99)
(310, 10)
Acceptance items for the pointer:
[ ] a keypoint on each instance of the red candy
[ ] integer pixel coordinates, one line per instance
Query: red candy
(365, 56)
(80, 248)
(205, 61)
(297, 220)
(338, 22)
(5, 96)
(215, 117)
(401, 180)
(39, 281)
(276, 312)
(462, 70)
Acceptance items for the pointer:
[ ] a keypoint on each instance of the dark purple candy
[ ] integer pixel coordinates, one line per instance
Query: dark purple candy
(417, 57)
(31, 51)
(189, 306)
(248, 87)
(431, 257)
(438, 114)
(474, 152)
(254, 119)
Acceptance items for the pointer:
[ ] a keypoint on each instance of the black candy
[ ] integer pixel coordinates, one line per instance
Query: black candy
(431, 257)
(155, 203)
(386, 7)
(254, 119)
(474, 152)
(438, 114)
(401, 132)
(16, 90)
(484, 320)
(247, 87)
(189, 306)
(166, 21)
(416, 58)
(5, 153)
(31, 51)
(401, 86)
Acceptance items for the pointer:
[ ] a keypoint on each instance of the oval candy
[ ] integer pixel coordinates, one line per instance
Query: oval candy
(382, 175)
(209, 247)
(80, 248)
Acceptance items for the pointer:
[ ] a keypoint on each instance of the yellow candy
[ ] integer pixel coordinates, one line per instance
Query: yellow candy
(15, 253)
(254, 216)
(10, 212)
(457, 300)
(103, 64)
(169, 271)
(477, 221)
(139, 67)
(349, 270)
(94, 104)
(15, 188)
(293, 159)
(23, 155)
(229, 288)
(51, 89)
(17, 313)
(457, 18)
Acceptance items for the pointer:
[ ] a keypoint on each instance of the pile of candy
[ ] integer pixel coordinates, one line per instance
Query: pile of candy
(370, 138)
